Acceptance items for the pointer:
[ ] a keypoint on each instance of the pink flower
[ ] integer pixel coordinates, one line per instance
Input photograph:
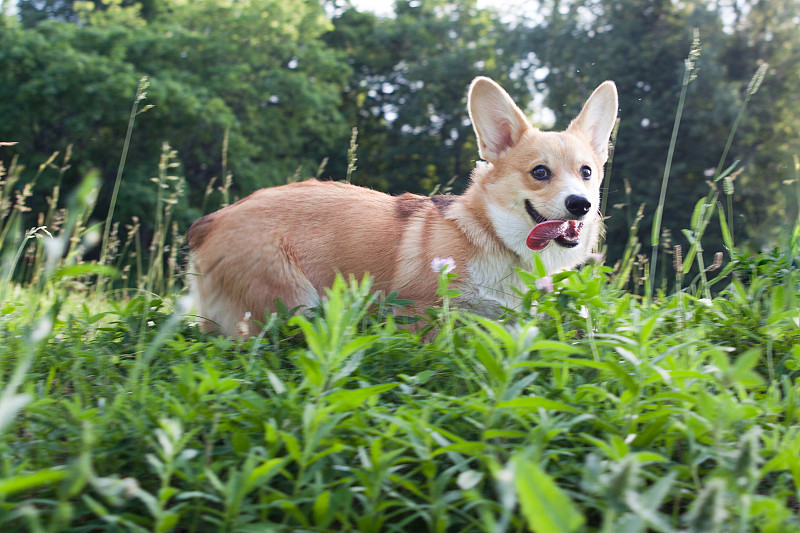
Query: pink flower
(443, 265)
(545, 284)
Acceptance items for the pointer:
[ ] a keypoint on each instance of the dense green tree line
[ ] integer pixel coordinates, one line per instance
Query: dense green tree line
(268, 90)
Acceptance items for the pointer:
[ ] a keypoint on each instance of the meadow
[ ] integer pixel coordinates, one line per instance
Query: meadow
(609, 401)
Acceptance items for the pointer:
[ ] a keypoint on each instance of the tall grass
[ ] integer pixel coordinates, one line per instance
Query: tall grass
(588, 408)
(688, 77)
(141, 94)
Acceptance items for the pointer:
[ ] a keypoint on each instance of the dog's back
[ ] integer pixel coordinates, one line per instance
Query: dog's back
(289, 242)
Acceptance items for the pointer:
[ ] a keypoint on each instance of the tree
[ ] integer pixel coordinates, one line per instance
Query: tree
(766, 32)
(254, 72)
(408, 94)
(642, 47)
(32, 12)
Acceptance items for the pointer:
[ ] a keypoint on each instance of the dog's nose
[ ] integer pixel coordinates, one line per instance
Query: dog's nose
(577, 205)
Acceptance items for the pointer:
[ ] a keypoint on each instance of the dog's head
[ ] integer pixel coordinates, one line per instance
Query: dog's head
(542, 189)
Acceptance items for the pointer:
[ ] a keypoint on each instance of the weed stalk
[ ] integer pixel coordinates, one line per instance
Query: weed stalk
(141, 94)
(688, 77)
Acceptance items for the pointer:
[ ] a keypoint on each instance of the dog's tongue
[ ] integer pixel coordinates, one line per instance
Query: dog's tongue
(544, 232)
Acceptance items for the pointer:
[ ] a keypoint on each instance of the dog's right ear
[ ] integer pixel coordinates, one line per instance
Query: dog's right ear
(499, 123)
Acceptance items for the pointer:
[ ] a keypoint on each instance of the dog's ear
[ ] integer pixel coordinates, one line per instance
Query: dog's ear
(597, 118)
(499, 123)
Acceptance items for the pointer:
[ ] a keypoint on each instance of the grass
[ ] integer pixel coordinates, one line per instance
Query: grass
(603, 404)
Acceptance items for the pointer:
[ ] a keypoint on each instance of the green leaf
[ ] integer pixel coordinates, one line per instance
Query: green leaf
(488, 361)
(546, 508)
(742, 370)
(166, 493)
(536, 404)
(723, 226)
(699, 209)
(475, 449)
(650, 457)
(358, 344)
(166, 522)
(647, 329)
(321, 509)
(85, 269)
(555, 347)
(727, 171)
(527, 278)
(345, 400)
(29, 481)
(503, 434)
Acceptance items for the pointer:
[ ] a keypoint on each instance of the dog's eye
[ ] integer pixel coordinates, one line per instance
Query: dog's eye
(586, 172)
(541, 172)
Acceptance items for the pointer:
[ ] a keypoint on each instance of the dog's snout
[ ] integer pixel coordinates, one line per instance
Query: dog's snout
(577, 205)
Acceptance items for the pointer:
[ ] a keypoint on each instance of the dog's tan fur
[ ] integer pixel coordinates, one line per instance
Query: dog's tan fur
(289, 242)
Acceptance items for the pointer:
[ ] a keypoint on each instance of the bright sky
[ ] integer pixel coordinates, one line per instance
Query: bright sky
(379, 7)
(384, 7)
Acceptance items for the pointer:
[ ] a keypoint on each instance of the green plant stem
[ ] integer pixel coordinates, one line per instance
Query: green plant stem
(656, 233)
(140, 95)
(607, 181)
(752, 88)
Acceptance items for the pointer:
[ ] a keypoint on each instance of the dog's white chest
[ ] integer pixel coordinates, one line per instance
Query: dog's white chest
(491, 285)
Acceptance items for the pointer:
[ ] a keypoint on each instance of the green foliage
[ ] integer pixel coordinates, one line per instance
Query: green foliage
(580, 44)
(256, 72)
(592, 412)
(590, 408)
(408, 92)
(255, 93)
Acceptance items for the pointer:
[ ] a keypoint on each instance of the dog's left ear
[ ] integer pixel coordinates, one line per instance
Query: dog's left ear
(597, 118)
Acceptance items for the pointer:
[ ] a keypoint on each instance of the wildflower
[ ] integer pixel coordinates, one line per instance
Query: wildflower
(583, 312)
(595, 258)
(242, 326)
(545, 284)
(443, 265)
(130, 487)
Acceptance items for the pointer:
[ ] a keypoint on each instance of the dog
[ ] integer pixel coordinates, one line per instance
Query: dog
(534, 192)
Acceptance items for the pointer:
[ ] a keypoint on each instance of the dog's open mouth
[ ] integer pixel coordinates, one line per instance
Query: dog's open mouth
(566, 233)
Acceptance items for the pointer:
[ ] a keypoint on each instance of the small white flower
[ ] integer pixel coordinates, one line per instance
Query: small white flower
(705, 301)
(130, 487)
(545, 284)
(506, 475)
(584, 312)
(91, 238)
(242, 326)
(443, 265)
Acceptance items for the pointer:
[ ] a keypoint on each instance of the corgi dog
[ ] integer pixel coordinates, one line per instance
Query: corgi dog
(534, 192)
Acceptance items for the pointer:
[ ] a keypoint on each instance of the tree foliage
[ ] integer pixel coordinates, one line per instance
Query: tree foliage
(256, 71)
(642, 46)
